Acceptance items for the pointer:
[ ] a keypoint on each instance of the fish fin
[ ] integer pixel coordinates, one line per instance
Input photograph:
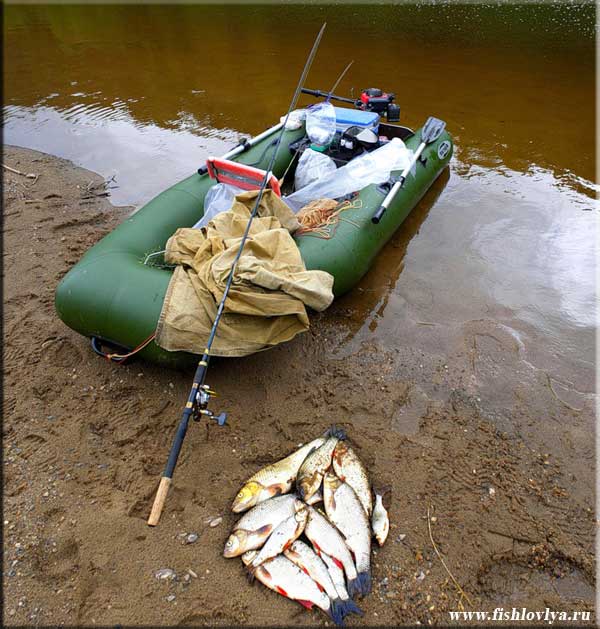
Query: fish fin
(307, 604)
(338, 563)
(252, 574)
(281, 591)
(264, 530)
(276, 490)
(336, 431)
(364, 582)
(350, 607)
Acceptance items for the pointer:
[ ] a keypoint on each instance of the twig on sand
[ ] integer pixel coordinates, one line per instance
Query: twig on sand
(577, 410)
(18, 172)
(437, 552)
(99, 189)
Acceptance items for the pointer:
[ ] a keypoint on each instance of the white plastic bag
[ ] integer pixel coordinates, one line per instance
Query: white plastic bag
(295, 119)
(312, 165)
(320, 123)
(371, 168)
(218, 199)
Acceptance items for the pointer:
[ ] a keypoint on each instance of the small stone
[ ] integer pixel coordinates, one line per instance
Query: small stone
(192, 573)
(215, 522)
(420, 576)
(192, 538)
(401, 537)
(171, 385)
(491, 491)
(434, 519)
(171, 598)
(12, 612)
(165, 574)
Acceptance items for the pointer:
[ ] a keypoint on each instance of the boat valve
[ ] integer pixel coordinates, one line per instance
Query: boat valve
(202, 399)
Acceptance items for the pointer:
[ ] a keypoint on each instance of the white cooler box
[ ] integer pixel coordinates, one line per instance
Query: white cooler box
(345, 118)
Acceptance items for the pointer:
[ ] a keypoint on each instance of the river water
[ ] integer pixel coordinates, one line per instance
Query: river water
(500, 253)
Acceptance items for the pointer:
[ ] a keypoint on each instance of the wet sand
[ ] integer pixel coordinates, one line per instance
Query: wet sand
(85, 442)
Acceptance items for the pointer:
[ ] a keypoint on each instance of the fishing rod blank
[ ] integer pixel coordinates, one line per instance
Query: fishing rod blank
(199, 397)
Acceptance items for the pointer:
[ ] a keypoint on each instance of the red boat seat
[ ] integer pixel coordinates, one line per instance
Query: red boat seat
(240, 175)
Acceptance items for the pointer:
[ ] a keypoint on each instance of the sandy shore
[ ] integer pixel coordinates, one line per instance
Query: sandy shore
(85, 442)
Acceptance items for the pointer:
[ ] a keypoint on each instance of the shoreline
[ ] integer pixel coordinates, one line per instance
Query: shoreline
(85, 442)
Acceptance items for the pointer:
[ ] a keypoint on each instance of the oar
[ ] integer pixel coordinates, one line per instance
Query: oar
(430, 132)
(199, 397)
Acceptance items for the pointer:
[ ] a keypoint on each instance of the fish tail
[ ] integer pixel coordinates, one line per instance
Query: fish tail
(336, 431)
(347, 607)
(336, 612)
(354, 587)
(364, 582)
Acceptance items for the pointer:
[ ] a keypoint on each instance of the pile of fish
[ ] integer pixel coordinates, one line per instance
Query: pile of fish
(333, 562)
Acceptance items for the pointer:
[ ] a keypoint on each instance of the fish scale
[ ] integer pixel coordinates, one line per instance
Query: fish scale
(350, 469)
(290, 529)
(346, 512)
(326, 538)
(310, 474)
(273, 479)
(314, 565)
(284, 577)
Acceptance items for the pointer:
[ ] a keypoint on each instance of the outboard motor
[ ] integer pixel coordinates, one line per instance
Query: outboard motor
(374, 99)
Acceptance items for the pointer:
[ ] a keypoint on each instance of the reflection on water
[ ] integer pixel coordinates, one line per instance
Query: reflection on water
(147, 92)
(521, 242)
(145, 158)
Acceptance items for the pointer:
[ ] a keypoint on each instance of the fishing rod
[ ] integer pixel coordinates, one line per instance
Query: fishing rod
(337, 82)
(200, 393)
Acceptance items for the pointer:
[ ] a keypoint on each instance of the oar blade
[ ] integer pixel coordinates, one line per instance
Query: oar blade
(434, 127)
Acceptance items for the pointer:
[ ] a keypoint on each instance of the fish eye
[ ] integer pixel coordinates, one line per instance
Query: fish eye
(229, 542)
(241, 494)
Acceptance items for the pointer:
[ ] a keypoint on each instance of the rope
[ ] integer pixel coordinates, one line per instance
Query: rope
(320, 218)
(120, 358)
(288, 168)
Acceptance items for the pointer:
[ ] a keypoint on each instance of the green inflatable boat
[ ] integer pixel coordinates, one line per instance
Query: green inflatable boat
(115, 293)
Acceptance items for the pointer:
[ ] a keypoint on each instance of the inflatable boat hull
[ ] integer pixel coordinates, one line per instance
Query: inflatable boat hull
(110, 295)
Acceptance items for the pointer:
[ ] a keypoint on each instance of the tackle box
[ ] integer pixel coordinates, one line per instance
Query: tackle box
(345, 118)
